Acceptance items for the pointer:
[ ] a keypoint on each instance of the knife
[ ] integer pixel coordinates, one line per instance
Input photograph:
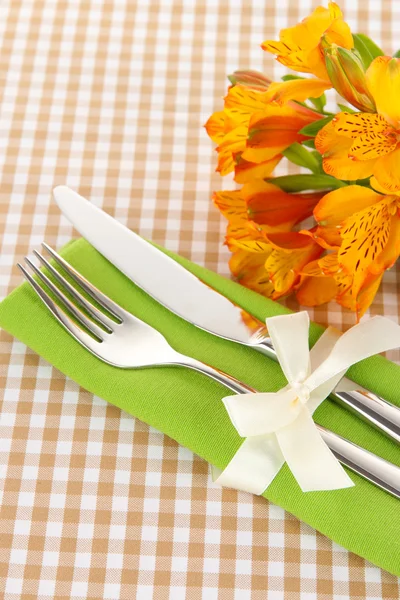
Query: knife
(187, 296)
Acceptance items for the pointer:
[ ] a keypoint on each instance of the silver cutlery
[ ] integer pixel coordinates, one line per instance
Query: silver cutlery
(191, 299)
(119, 338)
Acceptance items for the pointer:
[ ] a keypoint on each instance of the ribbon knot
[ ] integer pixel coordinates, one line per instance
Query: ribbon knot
(278, 427)
(302, 391)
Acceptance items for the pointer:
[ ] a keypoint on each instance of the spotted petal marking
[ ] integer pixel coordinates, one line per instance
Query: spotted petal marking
(231, 204)
(372, 145)
(241, 103)
(215, 126)
(249, 270)
(364, 236)
(329, 264)
(354, 125)
(284, 267)
(344, 282)
(256, 246)
(233, 142)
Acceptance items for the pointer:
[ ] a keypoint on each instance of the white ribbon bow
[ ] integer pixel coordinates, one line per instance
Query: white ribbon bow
(278, 427)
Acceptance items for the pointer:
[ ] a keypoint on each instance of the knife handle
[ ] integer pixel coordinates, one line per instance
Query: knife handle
(371, 408)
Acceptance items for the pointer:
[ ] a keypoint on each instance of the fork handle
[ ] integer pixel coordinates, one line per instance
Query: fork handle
(380, 472)
(371, 408)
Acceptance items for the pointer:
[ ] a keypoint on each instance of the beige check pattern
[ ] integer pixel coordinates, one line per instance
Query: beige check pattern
(109, 97)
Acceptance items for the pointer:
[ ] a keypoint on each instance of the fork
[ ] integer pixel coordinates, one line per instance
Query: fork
(119, 338)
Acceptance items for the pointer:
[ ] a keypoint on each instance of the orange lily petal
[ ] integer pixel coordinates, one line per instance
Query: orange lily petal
(231, 204)
(364, 235)
(327, 237)
(335, 150)
(284, 266)
(368, 146)
(273, 130)
(249, 270)
(344, 282)
(215, 126)
(297, 89)
(316, 290)
(383, 80)
(364, 299)
(254, 246)
(239, 232)
(290, 240)
(387, 171)
(234, 141)
(298, 45)
(259, 156)
(339, 32)
(329, 264)
(312, 269)
(340, 204)
(367, 295)
(246, 171)
(268, 204)
(241, 102)
(391, 252)
(378, 187)
(356, 124)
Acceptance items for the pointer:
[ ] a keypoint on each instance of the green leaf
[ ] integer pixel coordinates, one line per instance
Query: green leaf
(313, 128)
(319, 103)
(301, 157)
(309, 143)
(300, 183)
(396, 54)
(290, 77)
(345, 108)
(366, 48)
(318, 158)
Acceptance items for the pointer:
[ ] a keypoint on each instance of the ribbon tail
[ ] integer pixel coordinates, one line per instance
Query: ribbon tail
(289, 335)
(323, 347)
(318, 354)
(361, 341)
(254, 466)
(261, 413)
(312, 463)
(322, 392)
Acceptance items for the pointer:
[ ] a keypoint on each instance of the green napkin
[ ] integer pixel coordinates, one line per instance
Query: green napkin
(187, 406)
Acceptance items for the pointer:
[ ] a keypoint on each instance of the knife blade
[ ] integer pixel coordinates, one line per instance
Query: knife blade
(187, 296)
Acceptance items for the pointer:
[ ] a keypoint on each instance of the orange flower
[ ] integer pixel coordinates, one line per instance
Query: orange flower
(324, 280)
(255, 127)
(292, 252)
(356, 146)
(228, 128)
(369, 226)
(273, 262)
(299, 47)
(267, 257)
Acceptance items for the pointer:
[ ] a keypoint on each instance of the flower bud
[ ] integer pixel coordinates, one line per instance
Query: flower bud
(346, 72)
(250, 79)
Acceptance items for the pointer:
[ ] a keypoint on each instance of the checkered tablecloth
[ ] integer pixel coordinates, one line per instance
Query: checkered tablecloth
(109, 97)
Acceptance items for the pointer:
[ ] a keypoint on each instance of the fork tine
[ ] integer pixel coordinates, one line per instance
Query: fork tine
(79, 334)
(116, 310)
(99, 316)
(78, 314)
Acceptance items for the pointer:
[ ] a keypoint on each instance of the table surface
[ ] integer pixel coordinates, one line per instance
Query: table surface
(110, 98)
